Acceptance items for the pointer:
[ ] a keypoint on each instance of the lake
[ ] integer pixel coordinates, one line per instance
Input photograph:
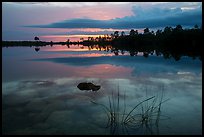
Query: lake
(138, 95)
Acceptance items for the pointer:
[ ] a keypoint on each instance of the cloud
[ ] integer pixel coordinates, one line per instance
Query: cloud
(150, 17)
(69, 4)
(128, 61)
(154, 12)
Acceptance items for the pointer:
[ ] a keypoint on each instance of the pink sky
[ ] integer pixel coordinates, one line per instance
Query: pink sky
(16, 15)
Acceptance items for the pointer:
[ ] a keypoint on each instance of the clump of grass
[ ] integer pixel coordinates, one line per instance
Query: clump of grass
(135, 119)
(112, 112)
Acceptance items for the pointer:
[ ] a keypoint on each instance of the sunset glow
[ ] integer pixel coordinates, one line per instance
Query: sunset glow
(102, 68)
(21, 20)
(65, 37)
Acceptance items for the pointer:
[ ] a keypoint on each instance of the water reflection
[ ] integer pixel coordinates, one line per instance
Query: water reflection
(38, 109)
(40, 94)
(116, 50)
(144, 121)
(37, 49)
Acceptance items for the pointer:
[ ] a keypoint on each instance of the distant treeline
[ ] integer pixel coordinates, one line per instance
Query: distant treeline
(35, 43)
(171, 42)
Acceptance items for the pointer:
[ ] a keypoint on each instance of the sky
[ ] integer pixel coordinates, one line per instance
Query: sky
(58, 21)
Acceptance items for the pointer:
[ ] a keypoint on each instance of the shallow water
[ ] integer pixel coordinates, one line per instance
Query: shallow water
(40, 94)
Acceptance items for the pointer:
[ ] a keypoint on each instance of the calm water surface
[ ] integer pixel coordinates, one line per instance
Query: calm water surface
(40, 94)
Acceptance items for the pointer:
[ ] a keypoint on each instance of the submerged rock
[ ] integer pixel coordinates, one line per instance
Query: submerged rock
(88, 86)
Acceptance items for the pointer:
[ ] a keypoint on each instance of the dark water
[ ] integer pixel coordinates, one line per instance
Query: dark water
(40, 94)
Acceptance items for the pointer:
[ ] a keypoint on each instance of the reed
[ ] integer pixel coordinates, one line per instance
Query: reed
(143, 115)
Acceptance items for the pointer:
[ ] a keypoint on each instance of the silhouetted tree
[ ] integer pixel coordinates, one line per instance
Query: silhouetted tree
(132, 32)
(196, 27)
(164, 42)
(168, 30)
(158, 32)
(37, 49)
(145, 54)
(122, 33)
(136, 32)
(146, 30)
(179, 28)
(51, 43)
(171, 42)
(116, 34)
(112, 36)
(36, 39)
